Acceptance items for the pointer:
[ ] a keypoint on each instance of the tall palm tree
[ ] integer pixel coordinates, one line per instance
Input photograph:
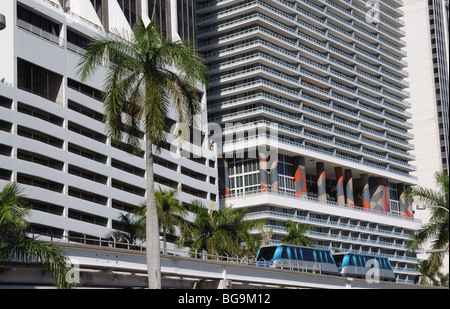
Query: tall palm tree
(147, 74)
(247, 243)
(132, 230)
(430, 277)
(171, 213)
(16, 246)
(436, 230)
(221, 232)
(296, 234)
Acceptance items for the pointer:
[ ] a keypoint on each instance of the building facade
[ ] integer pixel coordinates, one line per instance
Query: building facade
(428, 67)
(310, 97)
(52, 136)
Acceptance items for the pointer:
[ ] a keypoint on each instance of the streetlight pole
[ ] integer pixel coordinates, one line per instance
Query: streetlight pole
(423, 207)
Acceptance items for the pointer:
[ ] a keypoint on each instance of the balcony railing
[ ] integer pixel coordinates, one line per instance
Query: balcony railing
(293, 196)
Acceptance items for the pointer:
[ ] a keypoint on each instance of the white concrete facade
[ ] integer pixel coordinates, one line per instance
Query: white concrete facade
(428, 127)
(54, 142)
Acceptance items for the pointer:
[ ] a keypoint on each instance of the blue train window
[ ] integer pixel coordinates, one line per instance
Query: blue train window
(319, 256)
(299, 253)
(323, 257)
(383, 264)
(266, 253)
(377, 264)
(284, 253)
(360, 261)
(352, 261)
(339, 259)
(308, 255)
(389, 266)
(330, 258)
(293, 255)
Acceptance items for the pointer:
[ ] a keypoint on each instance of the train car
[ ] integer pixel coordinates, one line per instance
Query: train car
(298, 258)
(358, 266)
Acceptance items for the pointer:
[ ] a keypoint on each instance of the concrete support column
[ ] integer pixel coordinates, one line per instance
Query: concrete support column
(379, 191)
(402, 200)
(340, 194)
(263, 174)
(409, 206)
(224, 179)
(300, 176)
(321, 181)
(348, 182)
(274, 175)
(365, 191)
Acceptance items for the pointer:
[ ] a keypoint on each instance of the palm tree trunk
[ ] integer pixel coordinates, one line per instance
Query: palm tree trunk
(165, 241)
(152, 227)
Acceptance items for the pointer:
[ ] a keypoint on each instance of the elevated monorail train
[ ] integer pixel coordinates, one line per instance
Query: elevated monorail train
(308, 259)
(359, 266)
(297, 258)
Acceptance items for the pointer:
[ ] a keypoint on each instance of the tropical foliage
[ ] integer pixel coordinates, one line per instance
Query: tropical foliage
(296, 234)
(171, 214)
(222, 232)
(17, 247)
(436, 231)
(430, 277)
(147, 76)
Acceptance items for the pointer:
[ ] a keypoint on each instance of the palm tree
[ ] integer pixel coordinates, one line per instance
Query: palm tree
(206, 232)
(16, 246)
(221, 232)
(296, 234)
(430, 277)
(171, 213)
(436, 230)
(140, 88)
(132, 229)
(247, 243)
(266, 235)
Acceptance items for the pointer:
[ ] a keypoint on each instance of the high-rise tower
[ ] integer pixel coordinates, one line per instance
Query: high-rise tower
(325, 81)
(428, 66)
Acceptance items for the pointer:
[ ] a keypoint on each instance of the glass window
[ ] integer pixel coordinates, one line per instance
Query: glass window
(284, 253)
(36, 20)
(319, 256)
(330, 258)
(293, 254)
(24, 14)
(352, 261)
(266, 253)
(388, 265)
(339, 259)
(308, 255)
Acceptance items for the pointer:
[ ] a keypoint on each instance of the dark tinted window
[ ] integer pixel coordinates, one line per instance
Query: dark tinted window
(352, 261)
(293, 254)
(308, 255)
(284, 254)
(330, 258)
(338, 259)
(389, 267)
(266, 253)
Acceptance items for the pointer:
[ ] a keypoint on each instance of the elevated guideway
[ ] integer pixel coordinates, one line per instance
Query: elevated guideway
(109, 267)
